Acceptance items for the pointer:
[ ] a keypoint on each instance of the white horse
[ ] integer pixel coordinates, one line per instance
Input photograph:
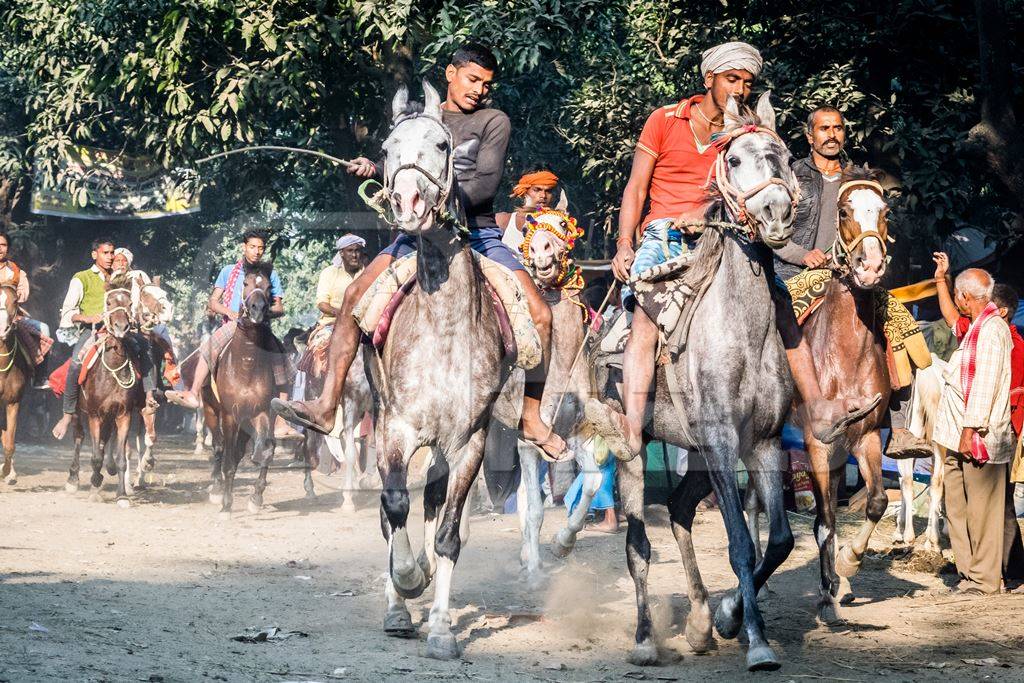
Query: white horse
(549, 241)
(924, 408)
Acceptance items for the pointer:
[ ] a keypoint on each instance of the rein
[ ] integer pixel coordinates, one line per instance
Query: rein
(12, 353)
(113, 371)
(736, 199)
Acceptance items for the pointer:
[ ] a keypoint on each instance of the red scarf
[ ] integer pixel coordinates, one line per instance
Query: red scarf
(967, 368)
(229, 290)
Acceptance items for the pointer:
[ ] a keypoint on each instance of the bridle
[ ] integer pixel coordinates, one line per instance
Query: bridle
(147, 319)
(736, 199)
(444, 184)
(247, 297)
(107, 311)
(842, 249)
(12, 353)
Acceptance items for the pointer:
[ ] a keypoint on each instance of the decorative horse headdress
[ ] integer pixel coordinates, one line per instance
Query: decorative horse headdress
(564, 227)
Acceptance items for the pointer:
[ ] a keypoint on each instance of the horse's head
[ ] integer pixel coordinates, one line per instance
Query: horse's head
(117, 305)
(549, 239)
(863, 227)
(256, 293)
(418, 170)
(753, 174)
(8, 309)
(153, 306)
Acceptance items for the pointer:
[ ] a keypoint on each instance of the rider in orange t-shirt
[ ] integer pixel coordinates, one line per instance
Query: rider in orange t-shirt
(671, 166)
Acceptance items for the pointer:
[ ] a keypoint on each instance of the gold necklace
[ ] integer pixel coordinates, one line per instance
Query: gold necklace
(705, 117)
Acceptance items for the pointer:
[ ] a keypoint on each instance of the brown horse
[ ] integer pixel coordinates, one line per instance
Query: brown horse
(849, 350)
(15, 373)
(111, 395)
(236, 403)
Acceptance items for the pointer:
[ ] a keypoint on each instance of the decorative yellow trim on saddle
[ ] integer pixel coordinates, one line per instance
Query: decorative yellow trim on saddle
(906, 342)
(371, 306)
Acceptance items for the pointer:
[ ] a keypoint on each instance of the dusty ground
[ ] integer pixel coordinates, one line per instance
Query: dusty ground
(155, 593)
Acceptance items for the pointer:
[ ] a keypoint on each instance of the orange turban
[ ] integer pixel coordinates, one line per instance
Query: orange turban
(539, 179)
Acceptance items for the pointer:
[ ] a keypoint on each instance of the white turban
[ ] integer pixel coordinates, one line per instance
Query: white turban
(734, 55)
(347, 240)
(121, 251)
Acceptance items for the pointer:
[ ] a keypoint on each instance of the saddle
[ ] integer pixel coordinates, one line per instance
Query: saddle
(906, 346)
(377, 307)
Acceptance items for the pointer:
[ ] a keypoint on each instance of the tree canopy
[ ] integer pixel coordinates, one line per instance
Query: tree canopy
(929, 88)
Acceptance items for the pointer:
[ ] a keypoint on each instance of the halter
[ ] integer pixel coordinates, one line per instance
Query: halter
(259, 290)
(569, 276)
(108, 311)
(444, 185)
(736, 199)
(147, 319)
(113, 371)
(841, 248)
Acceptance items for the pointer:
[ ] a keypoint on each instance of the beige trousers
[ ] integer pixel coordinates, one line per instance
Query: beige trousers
(975, 510)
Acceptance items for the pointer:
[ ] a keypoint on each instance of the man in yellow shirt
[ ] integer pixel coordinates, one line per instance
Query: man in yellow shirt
(335, 278)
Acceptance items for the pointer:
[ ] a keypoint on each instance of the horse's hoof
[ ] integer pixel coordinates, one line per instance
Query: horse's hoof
(216, 498)
(698, 632)
(643, 654)
(561, 547)
(198, 450)
(847, 564)
(442, 646)
(762, 658)
(729, 616)
(828, 614)
(71, 487)
(11, 479)
(398, 624)
(253, 506)
(124, 503)
(94, 496)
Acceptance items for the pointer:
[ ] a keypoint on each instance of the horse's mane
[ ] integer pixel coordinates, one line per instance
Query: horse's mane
(119, 280)
(264, 268)
(864, 172)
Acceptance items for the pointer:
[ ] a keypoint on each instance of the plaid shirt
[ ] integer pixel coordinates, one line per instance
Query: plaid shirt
(988, 411)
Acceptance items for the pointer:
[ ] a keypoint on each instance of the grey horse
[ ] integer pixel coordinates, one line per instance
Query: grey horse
(733, 390)
(437, 376)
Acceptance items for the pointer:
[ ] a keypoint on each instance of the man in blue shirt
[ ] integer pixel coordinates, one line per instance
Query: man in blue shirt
(226, 300)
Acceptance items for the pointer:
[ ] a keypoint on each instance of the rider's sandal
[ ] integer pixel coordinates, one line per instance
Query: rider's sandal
(287, 413)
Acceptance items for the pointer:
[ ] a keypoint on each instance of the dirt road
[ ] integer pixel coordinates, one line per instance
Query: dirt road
(91, 592)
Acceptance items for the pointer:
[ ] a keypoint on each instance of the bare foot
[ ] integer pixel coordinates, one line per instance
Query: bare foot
(610, 524)
(551, 445)
(623, 440)
(829, 419)
(185, 399)
(308, 415)
(61, 428)
(284, 432)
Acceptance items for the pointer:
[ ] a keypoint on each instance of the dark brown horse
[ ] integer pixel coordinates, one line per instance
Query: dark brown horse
(111, 395)
(236, 403)
(15, 373)
(849, 347)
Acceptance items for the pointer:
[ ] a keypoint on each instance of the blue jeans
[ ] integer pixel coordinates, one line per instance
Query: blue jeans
(659, 244)
(486, 241)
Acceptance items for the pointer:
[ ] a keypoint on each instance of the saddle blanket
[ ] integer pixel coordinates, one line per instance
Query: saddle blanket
(907, 347)
(377, 306)
(90, 354)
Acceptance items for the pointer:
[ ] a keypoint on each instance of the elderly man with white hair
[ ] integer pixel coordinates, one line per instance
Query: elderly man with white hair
(672, 163)
(973, 426)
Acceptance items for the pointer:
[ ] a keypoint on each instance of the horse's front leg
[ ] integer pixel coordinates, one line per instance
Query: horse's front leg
(11, 428)
(119, 446)
(932, 534)
(262, 454)
(72, 484)
(452, 534)
(682, 507)
(311, 445)
(565, 538)
(435, 495)
(824, 482)
(638, 557)
(232, 453)
(868, 451)
(531, 511)
(96, 480)
(217, 458)
(905, 519)
(406, 577)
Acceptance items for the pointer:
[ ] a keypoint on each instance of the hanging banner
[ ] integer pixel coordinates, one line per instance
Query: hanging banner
(112, 186)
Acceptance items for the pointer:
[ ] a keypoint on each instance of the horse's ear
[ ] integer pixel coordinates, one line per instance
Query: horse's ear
(400, 102)
(156, 280)
(431, 101)
(732, 113)
(563, 200)
(765, 112)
